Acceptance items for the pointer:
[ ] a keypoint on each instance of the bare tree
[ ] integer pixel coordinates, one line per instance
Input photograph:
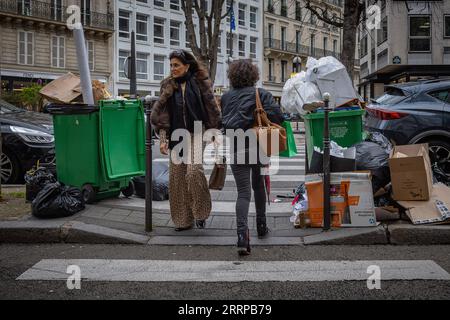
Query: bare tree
(209, 30)
(352, 15)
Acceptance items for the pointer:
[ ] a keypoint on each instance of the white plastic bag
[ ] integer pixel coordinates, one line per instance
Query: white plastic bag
(298, 92)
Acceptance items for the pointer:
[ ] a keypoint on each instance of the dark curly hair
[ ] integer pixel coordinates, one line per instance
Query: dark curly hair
(243, 73)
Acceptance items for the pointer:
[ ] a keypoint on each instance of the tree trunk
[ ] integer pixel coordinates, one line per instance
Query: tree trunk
(350, 28)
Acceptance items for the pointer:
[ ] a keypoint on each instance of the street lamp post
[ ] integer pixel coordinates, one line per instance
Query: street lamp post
(326, 165)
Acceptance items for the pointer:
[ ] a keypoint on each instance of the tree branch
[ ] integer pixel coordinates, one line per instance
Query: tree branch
(324, 15)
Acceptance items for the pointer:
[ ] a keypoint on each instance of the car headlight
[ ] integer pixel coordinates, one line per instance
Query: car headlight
(32, 136)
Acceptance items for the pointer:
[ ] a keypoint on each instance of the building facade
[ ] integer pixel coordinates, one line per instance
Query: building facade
(160, 28)
(36, 45)
(412, 43)
(292, 34)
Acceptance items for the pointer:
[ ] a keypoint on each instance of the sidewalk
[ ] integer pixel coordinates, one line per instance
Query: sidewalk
(104, 223)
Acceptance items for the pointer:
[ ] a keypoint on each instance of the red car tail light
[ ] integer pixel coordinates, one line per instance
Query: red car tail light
(384, 114)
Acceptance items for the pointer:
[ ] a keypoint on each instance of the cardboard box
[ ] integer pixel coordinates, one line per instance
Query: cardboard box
(411, 174)
(423, 212)
(355, 188)
(63, 89)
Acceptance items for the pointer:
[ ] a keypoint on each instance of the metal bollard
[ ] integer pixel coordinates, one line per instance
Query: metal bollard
(326, 166)
(149, 102)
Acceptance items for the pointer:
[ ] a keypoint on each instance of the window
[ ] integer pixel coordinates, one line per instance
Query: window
(297, 41)
(141, 27)
(175, 33)
(253, 42)
(325, 45)
(382, 33)
(26, 48)
(447, 26)
(270, 35)
(158, 3)
(143, 1)
(419, 34)
(229, 43)
(440, 95)
(283, 38)
(58, 52)
(124, 24)
(270, 7)
(141, 66)
(253, 17)
(123, 55)
(158, 30)
(312, 19)
(271, 77)
(56, 10)
(228, 10)
(91, 52)
(242, 8)
(298, 11)
(313, 45)
(241, 45)
(364, 46)
(175, 5)
(158, 67)
(24, 7)
(283, 9)
(219, 43)
(283, 70)
(86, 12)
(334, 47)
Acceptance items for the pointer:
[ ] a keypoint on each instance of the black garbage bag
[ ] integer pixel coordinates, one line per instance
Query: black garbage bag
(439, 175)
(36, 179)
(160, 183)
(56, 201)
(374, 157)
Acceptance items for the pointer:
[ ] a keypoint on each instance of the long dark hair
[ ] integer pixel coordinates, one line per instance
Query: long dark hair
(187, 58)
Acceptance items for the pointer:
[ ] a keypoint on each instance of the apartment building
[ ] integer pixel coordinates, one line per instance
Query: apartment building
(292, 34)
(160, 28)
(36, 46)
(412, 43)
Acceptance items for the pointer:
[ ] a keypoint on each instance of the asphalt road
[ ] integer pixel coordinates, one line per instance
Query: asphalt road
(16, 259)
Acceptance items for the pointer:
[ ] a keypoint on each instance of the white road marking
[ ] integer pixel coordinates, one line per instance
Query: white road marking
(229, 271)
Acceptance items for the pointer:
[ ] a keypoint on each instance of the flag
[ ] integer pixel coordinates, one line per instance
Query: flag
(232, 20)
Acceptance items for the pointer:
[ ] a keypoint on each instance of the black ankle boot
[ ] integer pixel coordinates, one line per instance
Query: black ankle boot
(262, 230)
(244, 243)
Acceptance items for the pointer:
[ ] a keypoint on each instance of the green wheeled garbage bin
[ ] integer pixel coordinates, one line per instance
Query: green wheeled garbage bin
(346, 129)
(100, 148)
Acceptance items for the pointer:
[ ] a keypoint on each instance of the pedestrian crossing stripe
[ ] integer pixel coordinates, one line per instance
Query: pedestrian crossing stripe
(233, 271)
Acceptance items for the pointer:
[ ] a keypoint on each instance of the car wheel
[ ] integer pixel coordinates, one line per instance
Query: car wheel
(10, 171)
(440, 154)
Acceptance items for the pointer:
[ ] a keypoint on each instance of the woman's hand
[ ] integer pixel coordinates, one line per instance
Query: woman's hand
(164, 148)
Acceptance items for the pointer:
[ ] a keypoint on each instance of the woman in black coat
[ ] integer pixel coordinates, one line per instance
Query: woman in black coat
(238, 106)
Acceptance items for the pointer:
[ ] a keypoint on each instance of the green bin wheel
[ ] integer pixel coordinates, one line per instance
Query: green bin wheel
(128, 191)
(88, 193)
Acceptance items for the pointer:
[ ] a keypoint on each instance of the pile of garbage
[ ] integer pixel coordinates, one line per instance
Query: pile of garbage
(303, 93)
(160, 183)
(50, 199)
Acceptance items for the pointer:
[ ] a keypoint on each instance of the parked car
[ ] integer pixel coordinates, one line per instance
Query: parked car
(27, 137)
(415, 112)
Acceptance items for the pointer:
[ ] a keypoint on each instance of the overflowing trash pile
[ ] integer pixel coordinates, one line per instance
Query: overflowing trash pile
(371, 179)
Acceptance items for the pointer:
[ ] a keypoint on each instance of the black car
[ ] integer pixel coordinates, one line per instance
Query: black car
(27, 137)
(415, 112)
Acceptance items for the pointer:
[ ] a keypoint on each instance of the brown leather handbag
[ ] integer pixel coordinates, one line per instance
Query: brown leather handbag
(264, 129)
(219, 172)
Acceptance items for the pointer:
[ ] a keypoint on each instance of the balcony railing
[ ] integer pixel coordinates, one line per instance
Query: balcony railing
(294, 48)
(47, 11)
(271, 79)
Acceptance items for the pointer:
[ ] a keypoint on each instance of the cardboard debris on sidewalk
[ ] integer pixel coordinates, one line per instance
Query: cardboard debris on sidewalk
(411, 174)
(425, 212)
(352, 202)
(67, 89)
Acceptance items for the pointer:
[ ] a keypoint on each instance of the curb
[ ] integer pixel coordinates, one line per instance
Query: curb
(403, 234)
(350, 236)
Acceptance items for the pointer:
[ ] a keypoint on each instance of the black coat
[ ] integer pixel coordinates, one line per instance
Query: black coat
(238, 106)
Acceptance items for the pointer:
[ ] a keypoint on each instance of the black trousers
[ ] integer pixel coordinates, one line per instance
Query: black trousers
(241, 175)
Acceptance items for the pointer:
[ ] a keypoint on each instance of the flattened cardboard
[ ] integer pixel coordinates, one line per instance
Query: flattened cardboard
(62, 90)
(360, 209)
(424, 212)
(411, 176)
